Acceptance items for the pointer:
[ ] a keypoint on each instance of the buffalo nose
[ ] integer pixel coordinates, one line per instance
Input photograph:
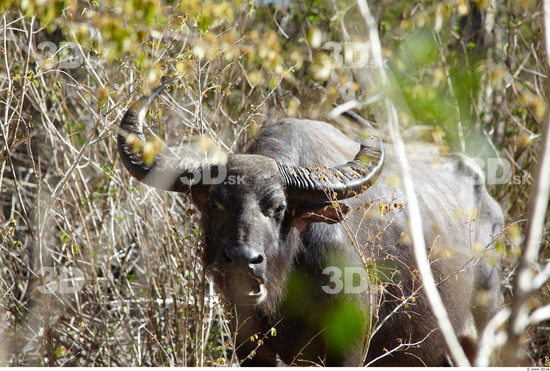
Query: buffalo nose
(241, 257)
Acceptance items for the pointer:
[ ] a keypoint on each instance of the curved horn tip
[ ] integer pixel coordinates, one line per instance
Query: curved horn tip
(342, 181)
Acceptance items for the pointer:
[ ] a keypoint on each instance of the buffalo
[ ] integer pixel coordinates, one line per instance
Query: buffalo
(309, 243)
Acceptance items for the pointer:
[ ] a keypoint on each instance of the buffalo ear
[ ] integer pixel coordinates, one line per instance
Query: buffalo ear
(332, 213)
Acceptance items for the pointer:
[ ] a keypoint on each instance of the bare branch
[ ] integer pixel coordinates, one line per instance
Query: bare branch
(539, 315)
(491, 338)
(542, 277)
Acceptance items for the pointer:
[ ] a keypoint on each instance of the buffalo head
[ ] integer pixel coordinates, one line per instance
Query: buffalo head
(252, 207)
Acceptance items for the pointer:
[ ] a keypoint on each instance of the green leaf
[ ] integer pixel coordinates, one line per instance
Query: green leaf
(204, 22)
(64, 237)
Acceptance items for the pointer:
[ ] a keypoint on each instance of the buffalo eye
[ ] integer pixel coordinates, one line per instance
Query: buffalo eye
(215, 205)
(278, 211)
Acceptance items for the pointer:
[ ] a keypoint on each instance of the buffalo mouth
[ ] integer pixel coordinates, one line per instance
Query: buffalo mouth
(241, 289)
